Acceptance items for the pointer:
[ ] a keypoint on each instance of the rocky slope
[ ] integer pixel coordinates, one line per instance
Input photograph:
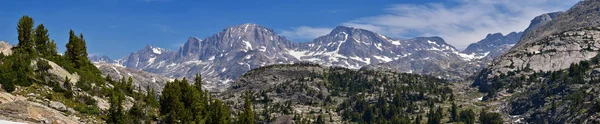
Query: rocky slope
(551, 72)
(540, 20)
(556, 44)
(440, 60)
(141, 79)
(38, 104)
(281, 92)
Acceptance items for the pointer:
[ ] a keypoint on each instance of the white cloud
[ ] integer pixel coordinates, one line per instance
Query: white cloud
(460, 23)
(305, 33)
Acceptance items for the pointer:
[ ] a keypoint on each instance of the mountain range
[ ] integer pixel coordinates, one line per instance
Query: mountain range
(224, 56)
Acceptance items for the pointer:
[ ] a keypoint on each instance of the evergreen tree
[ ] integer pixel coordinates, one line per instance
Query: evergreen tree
(467, 116)
(116, 113)
(198, 82)
(68, 88)
(434, 117)
(151, 97)
(219, 113)
(482, 115)
(247, 117)
(320, 120)
(454, 113)
(76, 51)
(136, 112)
(170, 103)
(418, 119)
(368, 116)
(25, 32)
(42, 41)
(490, 118)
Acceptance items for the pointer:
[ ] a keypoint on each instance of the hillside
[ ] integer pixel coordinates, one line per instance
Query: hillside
(551, 72)
(289, 93)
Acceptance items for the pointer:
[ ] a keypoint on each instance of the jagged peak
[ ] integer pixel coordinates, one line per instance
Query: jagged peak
(153, 49)
(348, 30)
(194, 38)
(248, 27)
(494, 35)
(513, 33)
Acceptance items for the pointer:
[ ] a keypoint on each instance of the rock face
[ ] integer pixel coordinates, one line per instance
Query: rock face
(141, 79)
(556, 44)
(440, 60)
(17, 108)
(493, 45)
(145, 57)
(5, 48)
(60, 73)
(584, 14)
(540, 20)
(32, 112)
(225, 56)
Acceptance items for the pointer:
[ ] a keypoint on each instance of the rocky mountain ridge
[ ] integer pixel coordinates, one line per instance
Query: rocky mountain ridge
(556, 44)
(237, 49)
(493, 45)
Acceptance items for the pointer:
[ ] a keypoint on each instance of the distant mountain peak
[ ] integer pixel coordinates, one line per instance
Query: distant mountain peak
(101, 59)
(494, 35)
(348, 30)
(155, 50)
(248, 28)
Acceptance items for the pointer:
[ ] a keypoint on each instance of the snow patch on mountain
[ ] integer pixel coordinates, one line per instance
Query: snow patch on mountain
(157, 50)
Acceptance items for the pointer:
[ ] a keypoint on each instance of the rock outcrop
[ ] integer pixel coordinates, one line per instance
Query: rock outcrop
(5, 48)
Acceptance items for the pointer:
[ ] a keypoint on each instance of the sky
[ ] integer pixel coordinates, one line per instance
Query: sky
(118, 27)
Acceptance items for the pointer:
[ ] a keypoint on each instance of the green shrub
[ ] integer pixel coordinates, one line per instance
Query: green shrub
(88, 109)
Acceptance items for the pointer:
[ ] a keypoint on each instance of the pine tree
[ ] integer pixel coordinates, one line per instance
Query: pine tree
(170, 103)
(203, 101)
(42, 41)
(482, 115)
(198, 82)
(454, 113)
(219, 113)
(51, 49)
(151, 97)
(247, 117)
(116, 113)
(320, 120)
(418, 119)
(25, 32)
(467, 116)
(489, 118)
(76, 51)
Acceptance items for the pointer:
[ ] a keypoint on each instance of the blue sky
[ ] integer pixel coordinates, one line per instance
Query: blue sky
(118, 27)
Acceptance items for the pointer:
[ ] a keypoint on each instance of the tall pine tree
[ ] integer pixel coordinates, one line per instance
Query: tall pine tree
(116, 114)
(247, 116)
(25, 32)
(42, 40)
(76, 51)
